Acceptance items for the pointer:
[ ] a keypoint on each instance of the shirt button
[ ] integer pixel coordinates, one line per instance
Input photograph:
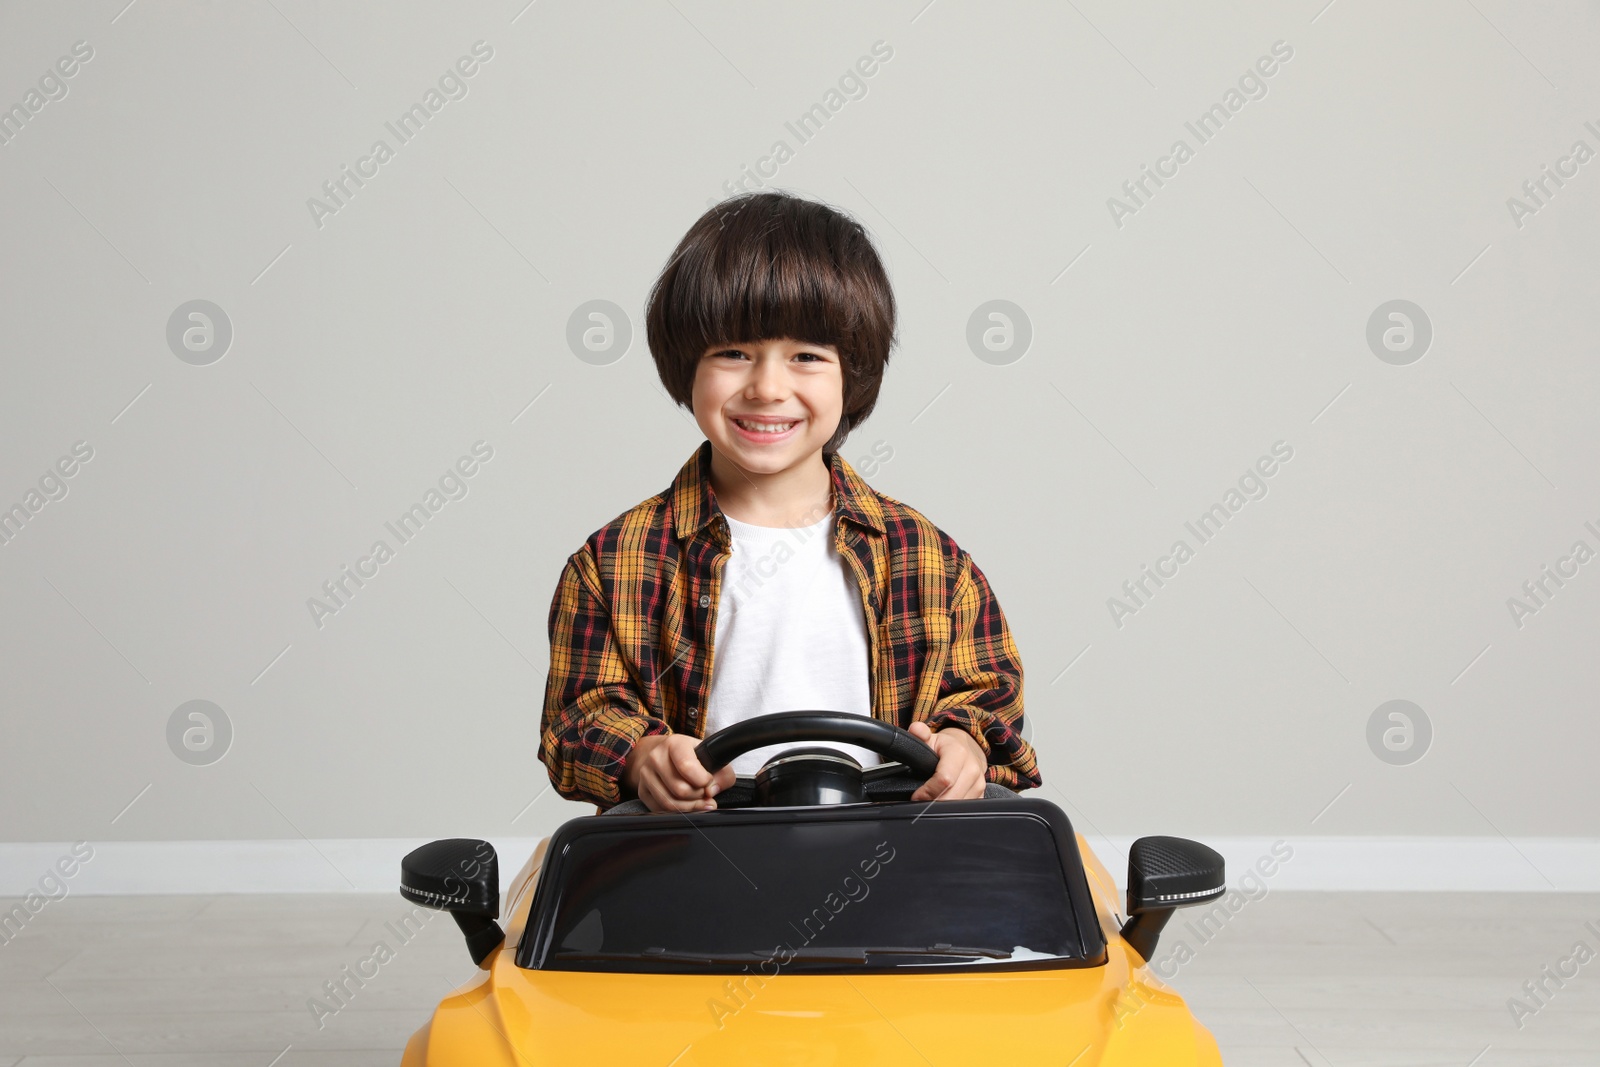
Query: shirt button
(705, 600)
(694, 713)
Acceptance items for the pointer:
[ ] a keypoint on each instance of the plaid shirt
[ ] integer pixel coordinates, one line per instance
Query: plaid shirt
(634, 616)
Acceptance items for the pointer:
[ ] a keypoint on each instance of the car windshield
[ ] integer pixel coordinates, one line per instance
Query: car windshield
(736, 894)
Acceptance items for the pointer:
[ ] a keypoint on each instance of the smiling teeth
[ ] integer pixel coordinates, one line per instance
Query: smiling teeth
(765, 427)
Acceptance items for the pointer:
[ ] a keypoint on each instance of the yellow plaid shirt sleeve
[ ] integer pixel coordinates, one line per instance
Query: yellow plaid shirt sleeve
(593, 713)
(981, 690)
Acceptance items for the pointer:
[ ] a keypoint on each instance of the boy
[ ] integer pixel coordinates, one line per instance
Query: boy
(769, 577)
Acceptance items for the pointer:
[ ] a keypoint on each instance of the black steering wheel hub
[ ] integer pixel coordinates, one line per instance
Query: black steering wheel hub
(810, 776)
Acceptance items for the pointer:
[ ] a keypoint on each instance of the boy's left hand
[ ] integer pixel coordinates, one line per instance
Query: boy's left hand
(961, 764)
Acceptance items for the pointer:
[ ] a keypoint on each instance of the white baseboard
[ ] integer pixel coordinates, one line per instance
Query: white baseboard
(1406, 864)
(293, 865)
(278, 865)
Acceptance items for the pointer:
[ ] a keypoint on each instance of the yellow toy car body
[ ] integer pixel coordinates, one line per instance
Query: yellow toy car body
(1105, 1010)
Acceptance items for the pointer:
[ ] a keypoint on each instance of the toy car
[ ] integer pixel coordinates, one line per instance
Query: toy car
(818, 916)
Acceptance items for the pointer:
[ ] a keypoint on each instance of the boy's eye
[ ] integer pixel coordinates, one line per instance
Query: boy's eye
(734, 353)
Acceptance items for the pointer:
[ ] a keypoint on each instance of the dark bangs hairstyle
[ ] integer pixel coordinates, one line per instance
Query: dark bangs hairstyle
(761, 266)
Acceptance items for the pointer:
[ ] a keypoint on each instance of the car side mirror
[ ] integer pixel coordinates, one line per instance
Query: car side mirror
(1164, 874)
(460, 875)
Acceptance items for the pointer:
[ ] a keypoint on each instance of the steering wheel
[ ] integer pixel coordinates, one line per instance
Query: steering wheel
(808, 776)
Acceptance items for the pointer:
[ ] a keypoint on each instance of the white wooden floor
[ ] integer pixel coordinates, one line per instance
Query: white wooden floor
(1293, 979)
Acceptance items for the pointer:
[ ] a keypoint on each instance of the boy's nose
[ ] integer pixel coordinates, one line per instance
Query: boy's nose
(767, 380)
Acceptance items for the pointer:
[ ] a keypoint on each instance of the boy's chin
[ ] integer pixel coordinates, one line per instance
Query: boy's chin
(769, 459)
(770, 464)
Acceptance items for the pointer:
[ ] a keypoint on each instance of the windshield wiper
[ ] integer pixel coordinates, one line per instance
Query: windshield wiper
(814, 955)
(810, 955)
(940, 949)
(825, 955)
(660, 954)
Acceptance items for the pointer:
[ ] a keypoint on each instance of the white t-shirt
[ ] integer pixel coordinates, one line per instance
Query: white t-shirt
(791, 634)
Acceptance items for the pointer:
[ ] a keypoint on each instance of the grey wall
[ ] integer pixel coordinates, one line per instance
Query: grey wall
(1172, 345)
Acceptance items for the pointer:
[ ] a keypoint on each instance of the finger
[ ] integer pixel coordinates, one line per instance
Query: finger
(658, 781)
(923, 792)
(664, 800)
(961, 772)
(670, 781)
(980, 783)
(688, 765)
(935, 786)
(722, 780)
(954, 762)
(935, 782)
(943, 772)
(650, 793)
(964, 772)
(680, 789)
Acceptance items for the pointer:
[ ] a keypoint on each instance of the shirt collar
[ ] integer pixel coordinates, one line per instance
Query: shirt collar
(694, 502)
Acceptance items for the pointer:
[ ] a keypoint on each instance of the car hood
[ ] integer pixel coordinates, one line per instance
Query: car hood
(1083, 1016)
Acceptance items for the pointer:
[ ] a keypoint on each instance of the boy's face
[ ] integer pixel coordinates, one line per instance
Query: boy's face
(768, 405)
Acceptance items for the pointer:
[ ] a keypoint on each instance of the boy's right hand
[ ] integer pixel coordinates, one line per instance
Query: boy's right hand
(663, 771)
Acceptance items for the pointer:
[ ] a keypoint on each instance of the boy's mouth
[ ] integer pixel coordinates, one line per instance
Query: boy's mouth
(764, 428)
